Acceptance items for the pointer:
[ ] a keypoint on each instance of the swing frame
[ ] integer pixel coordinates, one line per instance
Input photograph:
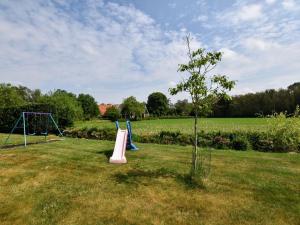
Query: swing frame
(22, 118)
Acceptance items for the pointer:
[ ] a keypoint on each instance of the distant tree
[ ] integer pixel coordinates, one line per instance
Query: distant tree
(112, 113)
(132, 109)
(67, 107)
(294, 91)
(171, 109)
(222, 108)
(294, 86)
(28, 95)
(260, 103)
(9, 96)
(204, 91)
(157, 104)
(183, 107)
(89, 106)
(36, 95)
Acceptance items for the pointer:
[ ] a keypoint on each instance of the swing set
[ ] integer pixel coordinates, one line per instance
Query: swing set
(34, 123)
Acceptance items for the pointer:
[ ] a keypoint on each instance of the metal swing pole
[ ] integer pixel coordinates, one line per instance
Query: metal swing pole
(56, 125)
(16, 124)
(24, 129)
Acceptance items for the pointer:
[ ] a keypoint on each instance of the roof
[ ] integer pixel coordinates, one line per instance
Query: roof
(103, 107)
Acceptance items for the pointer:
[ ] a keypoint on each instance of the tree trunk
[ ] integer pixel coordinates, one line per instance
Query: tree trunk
(195, 150)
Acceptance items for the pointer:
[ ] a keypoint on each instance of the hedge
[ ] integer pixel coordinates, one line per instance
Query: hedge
(9, 115)
(220, 140)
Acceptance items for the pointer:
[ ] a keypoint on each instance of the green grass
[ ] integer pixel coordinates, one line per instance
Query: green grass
(18, 140)
(184, 125)
(71, 182)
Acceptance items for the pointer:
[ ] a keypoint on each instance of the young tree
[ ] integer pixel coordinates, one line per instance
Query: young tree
(204, 90)
(157, 104)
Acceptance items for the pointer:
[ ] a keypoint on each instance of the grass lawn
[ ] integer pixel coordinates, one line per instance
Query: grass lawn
(71, 182)
(184, 125)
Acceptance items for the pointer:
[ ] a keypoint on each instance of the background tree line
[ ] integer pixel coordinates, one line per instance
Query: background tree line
(69, 107)
(66, 106)
(247, 105)
(260, 103)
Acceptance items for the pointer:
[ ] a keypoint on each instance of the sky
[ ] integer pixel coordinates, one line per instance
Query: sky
(115, 49)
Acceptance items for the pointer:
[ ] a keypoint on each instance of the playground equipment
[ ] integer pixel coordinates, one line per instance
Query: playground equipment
(123, 142)
(129, 144)
(34, 123)
(120, 148)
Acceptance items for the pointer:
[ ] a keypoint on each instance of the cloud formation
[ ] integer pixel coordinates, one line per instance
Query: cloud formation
(114, 50)
(106, 49)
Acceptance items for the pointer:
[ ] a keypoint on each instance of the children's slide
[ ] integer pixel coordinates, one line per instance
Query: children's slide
(120, 147)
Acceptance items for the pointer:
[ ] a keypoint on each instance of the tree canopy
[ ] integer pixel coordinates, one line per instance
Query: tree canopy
(157, 104)
(132, 109)
(89, 106)
(183, 108)
(67, 106)
(112, 113)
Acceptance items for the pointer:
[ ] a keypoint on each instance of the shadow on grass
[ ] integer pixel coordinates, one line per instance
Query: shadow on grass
(134, 177)
(108, 153)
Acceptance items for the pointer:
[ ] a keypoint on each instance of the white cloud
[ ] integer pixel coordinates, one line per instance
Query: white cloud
(201, 18)
(259, 44)
(112, 51)
(290, 5)
(261, 65)
(260, 53)
(250, 12)
(270, 2)
(244, 13)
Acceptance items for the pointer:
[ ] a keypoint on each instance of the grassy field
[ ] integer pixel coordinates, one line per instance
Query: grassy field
(184, 125)
(71, 182)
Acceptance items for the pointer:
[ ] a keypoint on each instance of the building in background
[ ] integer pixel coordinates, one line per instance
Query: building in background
(103, 107)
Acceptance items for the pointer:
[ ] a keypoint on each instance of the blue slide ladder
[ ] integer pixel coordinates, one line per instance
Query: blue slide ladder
(129, 144)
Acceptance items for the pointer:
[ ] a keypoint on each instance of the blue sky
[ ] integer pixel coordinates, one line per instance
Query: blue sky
(114, 49)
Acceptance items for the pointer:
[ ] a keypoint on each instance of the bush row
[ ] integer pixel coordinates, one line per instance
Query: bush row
(10, 115)
(220, 140)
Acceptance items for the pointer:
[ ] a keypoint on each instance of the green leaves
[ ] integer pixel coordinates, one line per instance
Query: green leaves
(157, 104)
(132, 109)
(89, 106)
(204, 90)
(223, 82)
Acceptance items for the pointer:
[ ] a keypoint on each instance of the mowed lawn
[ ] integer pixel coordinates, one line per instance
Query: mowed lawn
(184, 125)
(71, 182)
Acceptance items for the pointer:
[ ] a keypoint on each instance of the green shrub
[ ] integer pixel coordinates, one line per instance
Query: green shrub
(185, 139)
(284, 131)
(265, 145)
(239, 142)
(220, 140)
(92, 133)
(112, 113)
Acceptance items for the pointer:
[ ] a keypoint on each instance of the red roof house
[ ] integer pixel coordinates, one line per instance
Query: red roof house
(103, 107)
